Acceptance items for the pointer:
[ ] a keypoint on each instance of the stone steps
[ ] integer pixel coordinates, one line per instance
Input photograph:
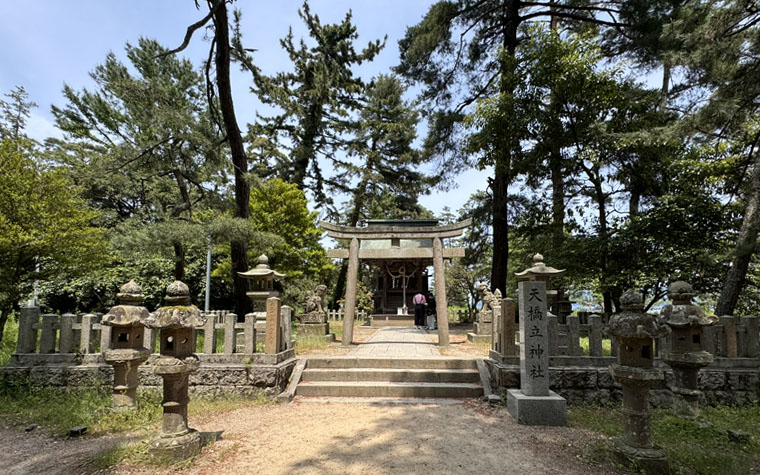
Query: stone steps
(400, 363)
(393, 375)
(388, 389)
(390, 377)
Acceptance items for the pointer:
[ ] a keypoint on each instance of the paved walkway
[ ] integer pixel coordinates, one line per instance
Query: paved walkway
(398, 342)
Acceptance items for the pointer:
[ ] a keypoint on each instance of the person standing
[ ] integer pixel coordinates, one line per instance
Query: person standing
(432, 323)
(419, 309)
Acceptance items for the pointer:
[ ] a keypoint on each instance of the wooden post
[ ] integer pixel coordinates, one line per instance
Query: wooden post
(441, 302)
(27, 335)
(274, 332)
(351, 283)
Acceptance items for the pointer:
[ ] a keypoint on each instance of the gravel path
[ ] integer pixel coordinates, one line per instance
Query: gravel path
(330, 437)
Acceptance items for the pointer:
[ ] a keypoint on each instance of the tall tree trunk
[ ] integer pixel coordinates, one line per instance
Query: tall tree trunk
(558, 198)
(665, 91)
(238, 246)
(179, 260)
(502, 165)
(600, 198)
(745, 247)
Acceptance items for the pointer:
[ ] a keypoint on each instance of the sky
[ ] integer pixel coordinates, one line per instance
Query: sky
(46, 43)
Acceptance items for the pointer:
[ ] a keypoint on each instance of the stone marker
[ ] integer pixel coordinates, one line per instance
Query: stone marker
(534, 403)
(273, 340)
(126, 351)
(176, 322)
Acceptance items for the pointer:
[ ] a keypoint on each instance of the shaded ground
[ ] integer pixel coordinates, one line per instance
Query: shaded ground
(37, 452)
(328, 437)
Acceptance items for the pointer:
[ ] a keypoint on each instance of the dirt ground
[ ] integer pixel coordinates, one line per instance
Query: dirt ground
(330, 437)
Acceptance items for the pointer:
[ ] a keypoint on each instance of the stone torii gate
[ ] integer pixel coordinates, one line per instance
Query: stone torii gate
(429, 238)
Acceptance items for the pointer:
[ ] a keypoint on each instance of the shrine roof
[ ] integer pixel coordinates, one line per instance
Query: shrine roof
(391, 229)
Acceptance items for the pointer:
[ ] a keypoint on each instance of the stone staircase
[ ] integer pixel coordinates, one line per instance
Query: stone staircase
(390, 378)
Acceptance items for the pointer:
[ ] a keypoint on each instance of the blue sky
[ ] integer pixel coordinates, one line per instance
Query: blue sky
(46, 43)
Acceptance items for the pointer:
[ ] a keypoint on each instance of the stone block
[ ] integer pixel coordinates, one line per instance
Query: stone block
(478, 338)
(548, 410)
(313, 329)
(604, 379)
(712, 380)
(483, 329)
(578, 378)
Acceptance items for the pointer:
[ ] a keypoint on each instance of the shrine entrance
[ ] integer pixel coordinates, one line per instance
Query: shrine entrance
(400, 251)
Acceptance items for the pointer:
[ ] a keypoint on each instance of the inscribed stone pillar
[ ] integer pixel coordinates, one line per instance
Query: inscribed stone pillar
(534, 403)
(274, 331)
(441, 304)
(351, 278)
(534, 339)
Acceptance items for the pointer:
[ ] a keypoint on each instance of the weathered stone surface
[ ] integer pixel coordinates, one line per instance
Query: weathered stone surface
(273, 338)
(534, 339)
(549, 410)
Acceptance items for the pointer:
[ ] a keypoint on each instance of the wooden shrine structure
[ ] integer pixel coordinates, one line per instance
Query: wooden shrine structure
(401, 250)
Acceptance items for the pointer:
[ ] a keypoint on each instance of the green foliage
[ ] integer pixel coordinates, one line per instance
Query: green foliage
(15, 113)
(43, 222)
(316, 98)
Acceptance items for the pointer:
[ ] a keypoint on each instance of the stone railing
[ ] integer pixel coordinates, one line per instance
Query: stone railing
(338, 315)
(80, 338)
(731, 337)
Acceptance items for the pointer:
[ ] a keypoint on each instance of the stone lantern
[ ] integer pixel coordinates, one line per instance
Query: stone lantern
(685, 355)
(176, 322)
(262, 284)
(542, 272)
(634, 332)
(127, 351)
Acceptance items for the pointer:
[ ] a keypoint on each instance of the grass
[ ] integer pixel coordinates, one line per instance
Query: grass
(698, 446)
(10, 336)
(59, 409)
(606, 346)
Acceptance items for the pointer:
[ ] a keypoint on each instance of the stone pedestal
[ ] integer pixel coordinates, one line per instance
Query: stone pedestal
(316, 330)
(177, 441)
(534, 403)
(635, 447)
(549, 410)
(125, 363)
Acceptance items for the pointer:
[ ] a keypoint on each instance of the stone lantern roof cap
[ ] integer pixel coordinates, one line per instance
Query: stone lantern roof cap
(180, 313)
(127, 314)
(130, 293)
(683, 313)
(633, 322)
(539, 269)
(262, 270)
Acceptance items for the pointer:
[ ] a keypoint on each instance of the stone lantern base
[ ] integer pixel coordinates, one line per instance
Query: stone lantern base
(652, 461)
(176, 447)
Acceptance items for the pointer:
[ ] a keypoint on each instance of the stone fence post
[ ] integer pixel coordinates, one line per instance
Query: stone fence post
(27, 335)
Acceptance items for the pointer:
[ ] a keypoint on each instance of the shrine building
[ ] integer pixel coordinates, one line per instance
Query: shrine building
(401, 252)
